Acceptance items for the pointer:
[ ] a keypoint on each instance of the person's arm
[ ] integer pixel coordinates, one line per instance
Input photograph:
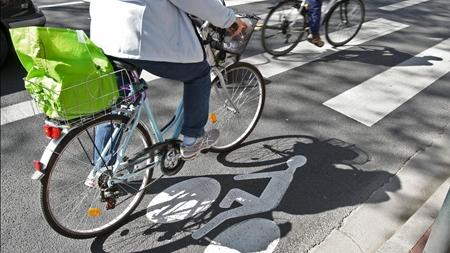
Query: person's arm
(213, 11)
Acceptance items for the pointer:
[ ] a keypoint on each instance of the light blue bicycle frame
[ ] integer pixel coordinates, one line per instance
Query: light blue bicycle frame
(175, 125)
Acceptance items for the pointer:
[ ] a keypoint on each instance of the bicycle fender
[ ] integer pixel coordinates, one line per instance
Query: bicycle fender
(48, 152)
(224, 65)
(324, 19)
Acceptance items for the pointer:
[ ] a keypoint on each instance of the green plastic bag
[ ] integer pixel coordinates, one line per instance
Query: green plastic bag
(68, 75)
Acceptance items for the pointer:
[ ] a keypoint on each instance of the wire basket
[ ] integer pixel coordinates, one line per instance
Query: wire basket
(238, 43)
(81, 102)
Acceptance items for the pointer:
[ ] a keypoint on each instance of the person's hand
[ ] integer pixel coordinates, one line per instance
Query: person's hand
(238, 27)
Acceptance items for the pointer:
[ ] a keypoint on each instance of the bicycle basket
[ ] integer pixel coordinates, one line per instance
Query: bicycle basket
(67, 73)
(86, 101)
(76, 101)
(238, 43)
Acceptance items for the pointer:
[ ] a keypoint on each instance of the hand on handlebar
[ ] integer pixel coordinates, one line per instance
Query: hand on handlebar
(238, 27)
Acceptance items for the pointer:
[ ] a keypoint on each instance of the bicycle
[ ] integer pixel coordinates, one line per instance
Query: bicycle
(89, 189)
(287, 22)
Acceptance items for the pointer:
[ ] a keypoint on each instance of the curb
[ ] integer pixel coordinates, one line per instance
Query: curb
(418, 225)
(392, 225)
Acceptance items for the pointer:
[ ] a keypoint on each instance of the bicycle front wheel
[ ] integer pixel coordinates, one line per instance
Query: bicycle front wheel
(236, 107)
(77, 210)
(344, 21)
(283, 28)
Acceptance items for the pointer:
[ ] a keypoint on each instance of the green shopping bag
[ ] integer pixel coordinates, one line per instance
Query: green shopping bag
(68, 75)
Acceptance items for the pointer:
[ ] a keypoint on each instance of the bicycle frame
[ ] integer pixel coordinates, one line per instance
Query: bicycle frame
(135, 112)
(174, 125)
(216, 69)
(325, 11)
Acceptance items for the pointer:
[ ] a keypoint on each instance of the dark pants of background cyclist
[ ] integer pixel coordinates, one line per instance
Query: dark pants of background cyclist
(314, 14)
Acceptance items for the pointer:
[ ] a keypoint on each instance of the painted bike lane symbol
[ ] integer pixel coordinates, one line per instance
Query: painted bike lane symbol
(187, 198)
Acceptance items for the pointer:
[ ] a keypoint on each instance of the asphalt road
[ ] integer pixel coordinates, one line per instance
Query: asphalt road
(395, 80)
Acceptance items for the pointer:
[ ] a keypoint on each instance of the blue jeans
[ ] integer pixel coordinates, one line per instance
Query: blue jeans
(314, 14)
(196, 92)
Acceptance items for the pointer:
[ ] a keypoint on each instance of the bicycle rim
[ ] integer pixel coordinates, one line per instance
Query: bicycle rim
(76, 210)
(344, 22)
(283, 28)
(236, 115)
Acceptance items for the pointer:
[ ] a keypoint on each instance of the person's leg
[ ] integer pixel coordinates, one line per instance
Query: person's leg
(197, 88)
(314, 16)
(102, 137)
(104, 131)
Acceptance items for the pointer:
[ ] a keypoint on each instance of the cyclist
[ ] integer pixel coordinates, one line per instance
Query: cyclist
(314, 14)
(158, 36)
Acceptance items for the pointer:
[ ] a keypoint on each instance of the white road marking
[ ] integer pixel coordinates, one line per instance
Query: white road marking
(230, 3)
(18, 111)
(402, 4)
(266, 63)
(251, 204)
(372, 100)
(183, 200)
(305, 52)
(254, 235)
(61, 4)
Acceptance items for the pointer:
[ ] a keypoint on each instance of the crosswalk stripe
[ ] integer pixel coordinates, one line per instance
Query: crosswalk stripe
(230, 3)
(402, 4)
(61, 4)
(306, 52)
(372, 100)
(302, 54)
(17, 112)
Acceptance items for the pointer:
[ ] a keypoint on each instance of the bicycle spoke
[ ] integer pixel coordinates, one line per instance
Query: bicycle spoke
(77, 210)
(283, 28)
(237, 118)
(344, 22)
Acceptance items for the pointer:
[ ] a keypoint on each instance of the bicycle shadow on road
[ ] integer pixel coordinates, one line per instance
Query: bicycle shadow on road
(369, 54)
(382, 56)
(331, 179)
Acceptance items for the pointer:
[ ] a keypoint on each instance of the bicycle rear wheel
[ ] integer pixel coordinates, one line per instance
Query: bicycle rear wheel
(344, 21)
(236, 108)
(76, 210)
(283, 28)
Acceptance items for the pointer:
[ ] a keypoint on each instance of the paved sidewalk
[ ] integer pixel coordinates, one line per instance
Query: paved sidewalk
(398, 224)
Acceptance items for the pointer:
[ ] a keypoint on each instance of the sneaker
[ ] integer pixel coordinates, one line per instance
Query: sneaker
(208, 140)
(91, 181)
(315, 40)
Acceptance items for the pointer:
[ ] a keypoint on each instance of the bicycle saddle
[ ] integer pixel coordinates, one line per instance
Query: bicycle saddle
(119, 63)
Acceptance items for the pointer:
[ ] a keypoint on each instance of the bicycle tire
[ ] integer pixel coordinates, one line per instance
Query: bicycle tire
(65, 198)
(246, 87)
(281, 32)
(344, 21)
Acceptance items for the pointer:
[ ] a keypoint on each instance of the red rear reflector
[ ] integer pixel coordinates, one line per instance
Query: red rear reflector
(56, 133)
(37, 165)
(51, 131)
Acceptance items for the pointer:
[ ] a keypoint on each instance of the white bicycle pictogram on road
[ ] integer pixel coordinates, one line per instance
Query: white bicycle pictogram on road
(184, 200)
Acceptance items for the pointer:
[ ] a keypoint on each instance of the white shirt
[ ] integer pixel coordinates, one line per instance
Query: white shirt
(154, 30)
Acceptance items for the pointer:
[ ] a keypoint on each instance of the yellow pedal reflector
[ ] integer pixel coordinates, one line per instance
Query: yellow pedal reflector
(213, 117)
(94, 211)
